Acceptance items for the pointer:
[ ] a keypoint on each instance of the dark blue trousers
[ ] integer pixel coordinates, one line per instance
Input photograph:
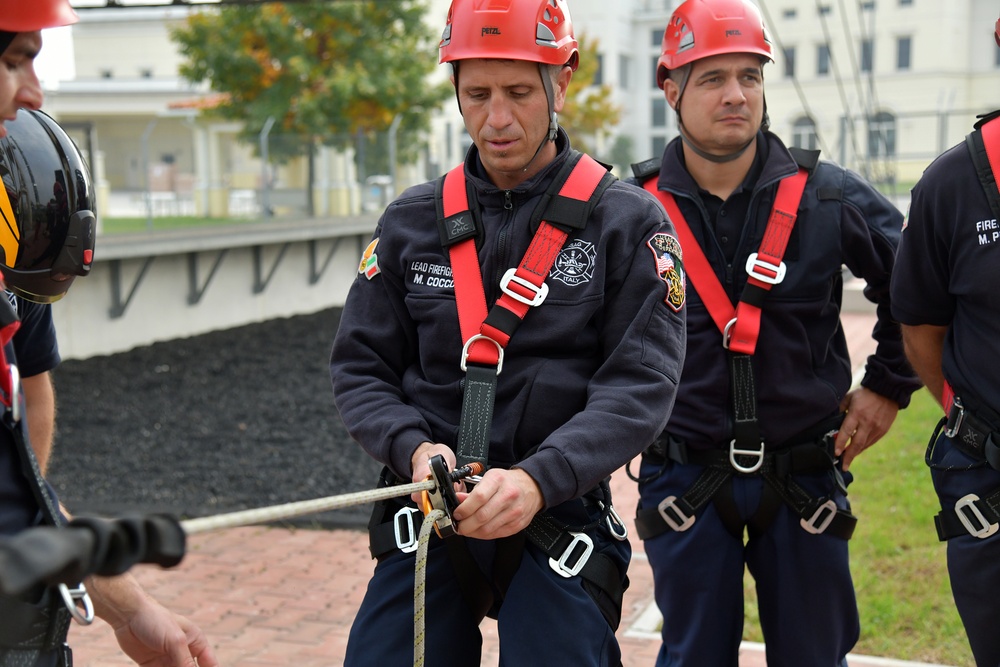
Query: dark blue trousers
(545, 619)
(973, 563)
(805, 595)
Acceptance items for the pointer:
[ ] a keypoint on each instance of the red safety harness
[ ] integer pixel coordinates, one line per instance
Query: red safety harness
(740, 325)
(740, 328)
(566, 207)
(569, 203)
(973, 426)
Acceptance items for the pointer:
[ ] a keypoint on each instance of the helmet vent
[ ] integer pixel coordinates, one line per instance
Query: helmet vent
(544, 36)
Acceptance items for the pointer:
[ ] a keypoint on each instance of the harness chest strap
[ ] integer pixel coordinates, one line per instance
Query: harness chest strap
(740, 325)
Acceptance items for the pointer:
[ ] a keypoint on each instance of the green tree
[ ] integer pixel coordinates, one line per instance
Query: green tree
(329, 72)
(589, 111)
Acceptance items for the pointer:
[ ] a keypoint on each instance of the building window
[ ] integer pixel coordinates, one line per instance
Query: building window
(657, 38)
(146, 72)
(867, 55)
(823, 60)
(882, 135)
(789, 57)
(903, 48)
(789, 14)
(867, 5)
(599, 74)
(904, 3)
(824, 10)
(107, 74)
(656, 146)
(804, 134)
(624, 72)
(659, 112)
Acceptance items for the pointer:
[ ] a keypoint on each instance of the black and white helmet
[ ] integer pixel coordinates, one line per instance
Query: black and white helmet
(47, 219)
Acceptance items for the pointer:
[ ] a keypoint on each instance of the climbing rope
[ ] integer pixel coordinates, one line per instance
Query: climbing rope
(301, 508)
(420, 586)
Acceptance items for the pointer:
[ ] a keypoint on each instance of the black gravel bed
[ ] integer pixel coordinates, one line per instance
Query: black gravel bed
(224, 421)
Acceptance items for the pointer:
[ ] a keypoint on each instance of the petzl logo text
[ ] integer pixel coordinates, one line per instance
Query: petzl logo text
(490, 30)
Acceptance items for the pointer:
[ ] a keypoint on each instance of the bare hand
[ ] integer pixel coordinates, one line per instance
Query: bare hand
(502, 504)
(421, 463)
(869, 416)
(156, 637)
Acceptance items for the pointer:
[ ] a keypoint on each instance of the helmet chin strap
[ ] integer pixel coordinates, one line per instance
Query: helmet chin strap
(550, 97)
(711, 157)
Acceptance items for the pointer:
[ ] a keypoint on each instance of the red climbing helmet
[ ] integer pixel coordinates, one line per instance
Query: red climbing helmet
(538, 31)
(701, 28)
(31, 15)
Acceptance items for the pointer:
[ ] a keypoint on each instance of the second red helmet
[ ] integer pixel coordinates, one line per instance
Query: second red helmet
(702, 28)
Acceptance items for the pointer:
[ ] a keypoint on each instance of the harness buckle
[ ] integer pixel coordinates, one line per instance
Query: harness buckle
(539, 292)
(727, 333)
(468, 345)
(567, 566)
(758, 455)
(775, 273)
(985, 528)
(956, 415)
(404, 520)
(673, 516)
(70, 597)
(821, 518)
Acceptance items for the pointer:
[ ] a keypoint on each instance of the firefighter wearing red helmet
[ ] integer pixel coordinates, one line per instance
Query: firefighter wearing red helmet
(765, 424)
(46, 239)
(524, 313)
(944, 294)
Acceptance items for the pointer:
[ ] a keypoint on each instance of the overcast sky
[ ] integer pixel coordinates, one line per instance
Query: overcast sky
(55, 62)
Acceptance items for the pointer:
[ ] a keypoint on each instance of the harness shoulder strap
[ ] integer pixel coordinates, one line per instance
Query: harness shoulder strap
(984, 147)
(741, 325)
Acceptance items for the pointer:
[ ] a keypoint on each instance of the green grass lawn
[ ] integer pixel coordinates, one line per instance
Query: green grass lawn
(123, 225)
(898, 564)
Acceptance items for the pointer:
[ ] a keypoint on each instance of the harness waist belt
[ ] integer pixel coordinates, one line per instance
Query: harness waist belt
(971, 434)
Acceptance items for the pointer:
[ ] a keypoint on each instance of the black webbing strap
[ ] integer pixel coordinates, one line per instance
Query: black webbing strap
(478, 397)
(572, 554)
(978, 149)
(817, 515)
(678, 514)
(972, 515)
(746, 430)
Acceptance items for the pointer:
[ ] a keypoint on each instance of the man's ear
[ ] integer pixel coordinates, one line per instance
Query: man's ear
(562, 86)
(672, 92)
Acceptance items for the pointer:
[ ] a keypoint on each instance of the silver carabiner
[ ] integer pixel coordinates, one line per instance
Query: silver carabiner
(70, 597)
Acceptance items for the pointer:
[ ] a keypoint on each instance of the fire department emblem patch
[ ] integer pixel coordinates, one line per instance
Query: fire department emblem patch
(575, 264)
(369, 261)
(667, 252)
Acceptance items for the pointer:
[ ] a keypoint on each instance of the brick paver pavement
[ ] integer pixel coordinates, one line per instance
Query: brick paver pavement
(275, 597)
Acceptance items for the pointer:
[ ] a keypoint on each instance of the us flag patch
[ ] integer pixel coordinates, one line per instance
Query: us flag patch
(667, 253)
